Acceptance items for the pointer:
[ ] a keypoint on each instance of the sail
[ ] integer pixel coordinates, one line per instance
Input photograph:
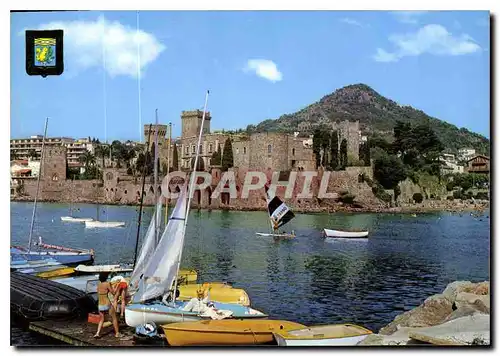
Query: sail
(148, 246)
(161, 269)
(279, 212)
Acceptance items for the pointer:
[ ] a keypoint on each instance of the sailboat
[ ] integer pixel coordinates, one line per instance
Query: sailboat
(51, 253)
(279, 215)
(154, 299)
(96, 223)
(72, 218)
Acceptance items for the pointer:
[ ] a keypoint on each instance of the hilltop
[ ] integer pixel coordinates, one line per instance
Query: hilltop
(377, 115)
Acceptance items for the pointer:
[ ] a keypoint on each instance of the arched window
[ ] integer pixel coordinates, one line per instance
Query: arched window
(269, 149)
(210, 148)
(244, 150)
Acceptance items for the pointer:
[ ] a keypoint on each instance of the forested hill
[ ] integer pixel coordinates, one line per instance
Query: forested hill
(377, 116)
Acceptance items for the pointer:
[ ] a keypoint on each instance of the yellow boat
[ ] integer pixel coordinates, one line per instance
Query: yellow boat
(225, 332)
(219, 292)
(324, 335)
(60, 272)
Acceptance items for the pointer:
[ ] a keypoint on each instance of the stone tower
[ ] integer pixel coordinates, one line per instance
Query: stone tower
(162, 134)
(54, 164)
(191, 123)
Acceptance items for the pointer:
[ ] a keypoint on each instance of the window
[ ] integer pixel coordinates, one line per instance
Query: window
(293, 151)
(244, 150)
(269, 149)
(193, 149)
(201, 149)
(210, 148)
(187, 150)
(237, 150)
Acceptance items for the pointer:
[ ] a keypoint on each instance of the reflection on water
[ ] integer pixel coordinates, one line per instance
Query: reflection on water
(308, 279)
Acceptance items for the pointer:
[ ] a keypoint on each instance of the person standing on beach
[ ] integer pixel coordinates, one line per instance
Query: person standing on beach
(103, 290)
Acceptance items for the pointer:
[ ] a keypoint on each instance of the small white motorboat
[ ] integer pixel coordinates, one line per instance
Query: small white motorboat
(72, 219)
(324, 335)
(348, 234)
(97, 224)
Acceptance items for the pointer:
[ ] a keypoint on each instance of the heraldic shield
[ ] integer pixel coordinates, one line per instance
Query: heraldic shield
(44, 52)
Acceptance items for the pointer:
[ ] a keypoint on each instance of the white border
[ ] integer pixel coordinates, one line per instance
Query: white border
(189, 5)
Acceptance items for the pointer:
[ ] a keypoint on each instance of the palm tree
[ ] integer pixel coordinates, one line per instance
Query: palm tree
(87, 158)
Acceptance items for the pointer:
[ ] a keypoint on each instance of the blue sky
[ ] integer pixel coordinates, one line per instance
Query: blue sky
(257, 65)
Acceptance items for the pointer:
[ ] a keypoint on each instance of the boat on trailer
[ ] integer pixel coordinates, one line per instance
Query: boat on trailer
(345, 234)
(225, 332)
(324, 335)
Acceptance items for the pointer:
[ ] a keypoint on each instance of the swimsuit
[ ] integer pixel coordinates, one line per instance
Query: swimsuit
(103, 302)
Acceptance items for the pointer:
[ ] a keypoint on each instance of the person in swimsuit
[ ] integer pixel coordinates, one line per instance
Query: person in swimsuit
(105, 306)
(120, 293)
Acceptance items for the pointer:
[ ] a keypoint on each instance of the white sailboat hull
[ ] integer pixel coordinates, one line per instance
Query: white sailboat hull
(103, 224)
(72, 219)
(343, 341)
(137, 317)
(351, 234)
(102, 268)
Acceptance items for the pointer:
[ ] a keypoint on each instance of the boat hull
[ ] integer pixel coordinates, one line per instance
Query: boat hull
(345, 341)
(103, 224)
(55, 273)
(159, 313)
(225, 332)
(72, 219)
(345, 234)
(324, 335)
(286, 236)
(218, 292)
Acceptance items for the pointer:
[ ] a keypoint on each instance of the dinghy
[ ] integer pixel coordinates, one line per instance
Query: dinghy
(279, 214)
(103, 268)
(154, 275)
(218, 292)
(225, 332)
(324, 335)
(345, 234)
(104, 224)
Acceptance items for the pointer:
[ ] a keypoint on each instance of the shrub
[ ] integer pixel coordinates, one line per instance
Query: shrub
(457, 194)
(381, 194)
(347, 198)
(481, 196)
(450, 197)
(418, 198)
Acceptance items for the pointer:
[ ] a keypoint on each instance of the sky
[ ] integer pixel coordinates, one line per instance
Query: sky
(257, 65)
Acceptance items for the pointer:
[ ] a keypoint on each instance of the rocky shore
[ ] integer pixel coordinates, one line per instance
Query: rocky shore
(458, 316)
(426, 207)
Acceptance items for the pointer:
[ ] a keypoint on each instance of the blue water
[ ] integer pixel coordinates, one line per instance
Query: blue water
(309, 279)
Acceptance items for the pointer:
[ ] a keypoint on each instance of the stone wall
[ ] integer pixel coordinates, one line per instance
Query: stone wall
(268, 150)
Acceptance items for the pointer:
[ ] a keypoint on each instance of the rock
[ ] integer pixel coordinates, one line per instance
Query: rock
(469, 330)
(433, 311)
(399, 338)
(465, 310)
(453, 288)
(480, 302)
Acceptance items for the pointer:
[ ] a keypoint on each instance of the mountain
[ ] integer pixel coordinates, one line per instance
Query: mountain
(377, 115)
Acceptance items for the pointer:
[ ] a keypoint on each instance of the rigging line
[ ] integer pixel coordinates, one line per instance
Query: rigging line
(139, 77)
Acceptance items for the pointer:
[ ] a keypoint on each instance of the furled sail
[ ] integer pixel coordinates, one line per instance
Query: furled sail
(279, 212)
(161, 269)
(148, 247)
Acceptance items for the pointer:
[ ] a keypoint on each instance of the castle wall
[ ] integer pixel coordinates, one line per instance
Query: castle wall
(269, 150)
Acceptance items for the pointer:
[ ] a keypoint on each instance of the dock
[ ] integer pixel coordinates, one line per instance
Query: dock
(81, 333)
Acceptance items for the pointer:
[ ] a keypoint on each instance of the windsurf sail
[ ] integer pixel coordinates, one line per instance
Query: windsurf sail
(279, 212)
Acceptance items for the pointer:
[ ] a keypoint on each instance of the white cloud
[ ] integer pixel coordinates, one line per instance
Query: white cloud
(84, 41)
(264, 68)
(350, 21)
(431, 39)
(408, 17)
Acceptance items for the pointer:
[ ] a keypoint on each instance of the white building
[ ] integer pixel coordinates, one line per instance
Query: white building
(465, 154)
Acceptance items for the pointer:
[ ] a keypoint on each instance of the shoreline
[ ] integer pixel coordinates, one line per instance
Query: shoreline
(414, 209)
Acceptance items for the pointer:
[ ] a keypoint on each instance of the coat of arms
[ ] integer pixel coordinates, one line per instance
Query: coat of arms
(45, 52)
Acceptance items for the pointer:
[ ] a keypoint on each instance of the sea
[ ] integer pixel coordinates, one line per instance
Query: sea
(310, 279)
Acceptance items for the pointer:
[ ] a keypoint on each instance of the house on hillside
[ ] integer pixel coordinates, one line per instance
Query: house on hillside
(478, 164)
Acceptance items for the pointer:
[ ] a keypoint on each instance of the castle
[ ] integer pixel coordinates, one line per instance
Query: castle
(256, 151)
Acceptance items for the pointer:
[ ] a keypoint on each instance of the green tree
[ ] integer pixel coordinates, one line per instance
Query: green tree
(87, 159)
(389, 171)
(227, 155)
(216, 158)
(343, 153)
(334, 150)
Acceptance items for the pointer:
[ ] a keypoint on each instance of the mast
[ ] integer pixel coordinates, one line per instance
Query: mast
(190, 190)
(37, 185)
(142, 196)
(156, 176)
(168, 168)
